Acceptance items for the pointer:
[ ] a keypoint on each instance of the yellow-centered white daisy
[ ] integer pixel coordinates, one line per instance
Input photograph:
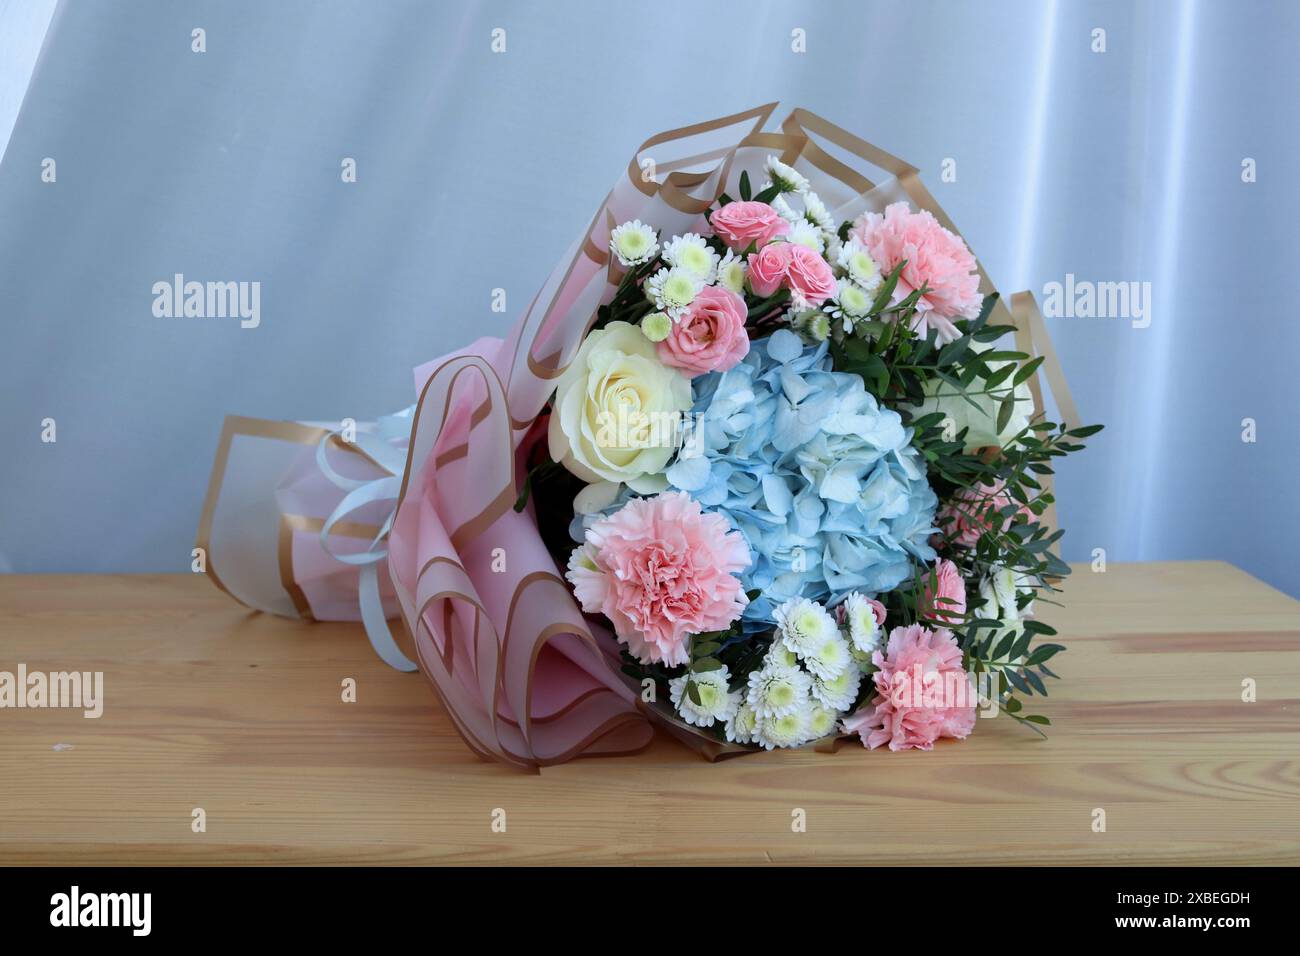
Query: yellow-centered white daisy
(656, 326)
(838, 693)
(776, 691)
(862, 269)
(691, 254)
(829, 657)
(821, 722)
(864, 632)
(740, 728)
(731, 273)
(633, 243)
(672, 290)
(715, 701)
(787, 730)
(815, 211)
(804, 626)
(805, 234)
(786, 178)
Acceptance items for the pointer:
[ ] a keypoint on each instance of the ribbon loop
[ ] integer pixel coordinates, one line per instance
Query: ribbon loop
(379, 448)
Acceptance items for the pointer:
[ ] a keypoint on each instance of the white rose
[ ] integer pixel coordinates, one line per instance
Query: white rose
(617, 413)
(982, 420)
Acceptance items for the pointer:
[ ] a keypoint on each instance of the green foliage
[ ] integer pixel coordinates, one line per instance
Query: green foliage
(901, 368)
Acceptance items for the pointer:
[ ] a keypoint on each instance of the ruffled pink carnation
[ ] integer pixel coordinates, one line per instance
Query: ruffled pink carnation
(972, 511)
(661, 570)
(740, 223)
(935, 258)
(710, 336)
(922, 693)
(944, 600)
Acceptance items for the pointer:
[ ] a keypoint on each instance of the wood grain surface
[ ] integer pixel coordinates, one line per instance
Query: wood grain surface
(209, 705)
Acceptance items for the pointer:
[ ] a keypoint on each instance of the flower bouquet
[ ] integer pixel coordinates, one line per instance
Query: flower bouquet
(763, 418)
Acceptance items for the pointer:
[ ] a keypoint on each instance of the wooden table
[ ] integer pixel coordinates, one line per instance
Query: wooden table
(210, 706)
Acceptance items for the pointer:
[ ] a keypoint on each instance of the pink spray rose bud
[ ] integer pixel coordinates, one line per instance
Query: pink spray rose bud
(768, 266)
(710, 336)
(809, 276)
(740, 223)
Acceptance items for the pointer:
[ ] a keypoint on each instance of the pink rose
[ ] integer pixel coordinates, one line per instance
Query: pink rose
(710, 336)
(661, 569)
(809, 277)
(740, 223)
(944, 600)
(972, 511)
(935, 258)
(922, 693)
(768, 266)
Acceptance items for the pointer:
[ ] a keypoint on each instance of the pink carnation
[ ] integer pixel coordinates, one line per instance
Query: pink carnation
(661, 570)
(972, 511)
(710, 336)
(935, 258)
(768, 266)
(809, 277)
(922, 693)
(944, 600)
(740, 223)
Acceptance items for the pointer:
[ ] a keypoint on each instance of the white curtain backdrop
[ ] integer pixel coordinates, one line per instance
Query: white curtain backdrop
(475, 169)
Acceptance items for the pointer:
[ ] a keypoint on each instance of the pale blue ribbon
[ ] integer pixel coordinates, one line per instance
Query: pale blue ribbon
(361, 492)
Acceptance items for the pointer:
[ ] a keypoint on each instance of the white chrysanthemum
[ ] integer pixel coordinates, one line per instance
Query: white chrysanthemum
(838, 693)
(1001, 590)
(715, 701)
(864, 631)
(588, 578)
(692, 254)
(830, 657)
(862, 269)
(800, 321)
(787, 730)
(803, 625)
(740, 728)
(815, 211)
(731, 273)
(833, 247)
(821, 722)
(852, 299)
(785, 210)
(804, 233)
(672, 290)
(633, 243)
(819, 327)
(656, 326)
(786, 178)
(778, 655)
(776, 691)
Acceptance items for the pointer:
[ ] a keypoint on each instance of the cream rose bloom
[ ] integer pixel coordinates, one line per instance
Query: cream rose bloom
(982, 420)
(618, 410)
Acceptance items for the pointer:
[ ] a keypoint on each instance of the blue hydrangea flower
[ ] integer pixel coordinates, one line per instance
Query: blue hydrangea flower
(823, 483)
